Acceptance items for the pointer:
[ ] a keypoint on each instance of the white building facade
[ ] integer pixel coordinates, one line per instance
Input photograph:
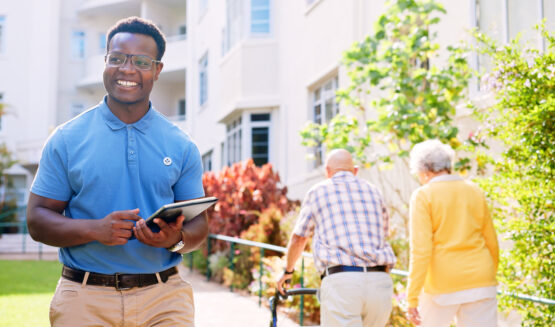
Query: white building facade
(240, 76)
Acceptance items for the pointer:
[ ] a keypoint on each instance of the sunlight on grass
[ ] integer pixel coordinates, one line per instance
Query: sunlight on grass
(26, 288)
(30, 310)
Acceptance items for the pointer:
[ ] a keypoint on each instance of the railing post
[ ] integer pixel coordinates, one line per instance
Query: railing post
(208, 249)
(260, 277)
(40, 251)
(231, 264)
(301, 318)
(190, 258)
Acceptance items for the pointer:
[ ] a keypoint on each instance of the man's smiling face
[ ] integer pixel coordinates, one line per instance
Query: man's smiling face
(127, 84)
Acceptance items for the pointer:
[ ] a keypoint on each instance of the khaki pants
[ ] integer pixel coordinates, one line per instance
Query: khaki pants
(356, 299)
(163, 304)
(482, 313)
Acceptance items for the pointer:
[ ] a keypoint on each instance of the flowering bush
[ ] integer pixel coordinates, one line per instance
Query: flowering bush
(244, 192)
(521, 186)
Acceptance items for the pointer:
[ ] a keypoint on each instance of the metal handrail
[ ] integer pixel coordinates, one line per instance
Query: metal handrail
(393, 271)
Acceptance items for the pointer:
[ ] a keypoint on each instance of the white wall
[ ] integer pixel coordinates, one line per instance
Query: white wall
(29, 75)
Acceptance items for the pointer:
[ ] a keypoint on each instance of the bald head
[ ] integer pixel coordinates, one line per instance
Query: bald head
(339, 160)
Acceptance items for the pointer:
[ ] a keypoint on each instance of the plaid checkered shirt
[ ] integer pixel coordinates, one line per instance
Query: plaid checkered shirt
(349, 221)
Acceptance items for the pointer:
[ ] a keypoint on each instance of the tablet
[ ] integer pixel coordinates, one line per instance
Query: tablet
(190, 209)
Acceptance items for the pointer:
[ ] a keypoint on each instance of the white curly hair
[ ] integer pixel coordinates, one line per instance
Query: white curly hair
(431, 156)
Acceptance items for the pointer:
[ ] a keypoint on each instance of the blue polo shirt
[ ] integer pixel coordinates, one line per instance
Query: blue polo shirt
(98, 164)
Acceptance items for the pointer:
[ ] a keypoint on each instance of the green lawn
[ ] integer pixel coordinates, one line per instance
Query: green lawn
(26, 288)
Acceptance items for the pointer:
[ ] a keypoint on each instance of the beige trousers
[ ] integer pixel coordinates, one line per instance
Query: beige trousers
(356, 299)
(481, 313)
(163, 304)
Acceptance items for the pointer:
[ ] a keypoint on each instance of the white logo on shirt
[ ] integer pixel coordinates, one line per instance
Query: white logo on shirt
(167, 161)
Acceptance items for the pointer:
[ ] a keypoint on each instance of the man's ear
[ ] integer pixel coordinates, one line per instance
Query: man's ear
(159, 67)
(355, 170)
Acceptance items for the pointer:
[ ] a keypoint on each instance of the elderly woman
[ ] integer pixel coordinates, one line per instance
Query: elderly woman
(453, 245)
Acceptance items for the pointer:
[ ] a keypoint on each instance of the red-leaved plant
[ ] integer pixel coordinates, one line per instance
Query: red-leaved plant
(244, 191)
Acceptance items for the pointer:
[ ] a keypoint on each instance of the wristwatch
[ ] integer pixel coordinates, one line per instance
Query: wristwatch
(177, 246)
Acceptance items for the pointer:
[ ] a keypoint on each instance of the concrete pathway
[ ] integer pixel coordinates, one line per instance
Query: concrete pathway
(216, 306)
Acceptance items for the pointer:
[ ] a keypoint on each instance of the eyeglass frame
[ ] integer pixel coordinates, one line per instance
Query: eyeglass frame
(127, 56)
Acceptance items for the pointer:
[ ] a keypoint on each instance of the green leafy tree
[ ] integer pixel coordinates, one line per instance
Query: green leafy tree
(521, 183)
(400, 93)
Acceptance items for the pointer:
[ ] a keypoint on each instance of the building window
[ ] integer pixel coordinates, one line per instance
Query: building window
(182, 109)
(324, 108)
(234, 19)
(260, 16)
(182, 30)
(78, 45)
(76, 109)
(102, 43)
(203, 79)
(207, 161)
(260, 138)
(234, 139)
(504, 19)
(203, 6)
(2, 32)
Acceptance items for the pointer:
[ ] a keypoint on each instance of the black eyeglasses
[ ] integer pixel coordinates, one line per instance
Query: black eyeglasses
(116, 59)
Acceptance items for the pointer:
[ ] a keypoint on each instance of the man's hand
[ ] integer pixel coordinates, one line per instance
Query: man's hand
(414, 316)
(116, 228)
(285, 279)
(168, 236)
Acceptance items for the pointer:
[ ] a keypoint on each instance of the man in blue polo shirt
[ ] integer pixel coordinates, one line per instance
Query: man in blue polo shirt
(99, 174)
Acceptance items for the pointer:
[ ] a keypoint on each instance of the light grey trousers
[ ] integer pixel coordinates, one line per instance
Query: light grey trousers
(356, 299)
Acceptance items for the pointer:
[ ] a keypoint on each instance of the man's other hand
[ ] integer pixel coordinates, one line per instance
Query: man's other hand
(284, 280)
(168, 235)
(117, 227)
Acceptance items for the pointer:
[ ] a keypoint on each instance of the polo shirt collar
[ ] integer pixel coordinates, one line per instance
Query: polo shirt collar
(446, 178)
(115, 123)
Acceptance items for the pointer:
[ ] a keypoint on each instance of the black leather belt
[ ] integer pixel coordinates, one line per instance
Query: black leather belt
(338, 269)
(119, 281)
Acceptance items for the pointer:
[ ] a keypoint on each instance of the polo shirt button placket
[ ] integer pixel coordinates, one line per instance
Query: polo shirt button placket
(131, 145)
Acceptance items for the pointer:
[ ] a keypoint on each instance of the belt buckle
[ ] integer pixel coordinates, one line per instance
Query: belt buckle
(118, 287)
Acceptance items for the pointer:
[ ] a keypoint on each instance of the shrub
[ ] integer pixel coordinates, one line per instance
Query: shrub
(521, 186)
(244, 192)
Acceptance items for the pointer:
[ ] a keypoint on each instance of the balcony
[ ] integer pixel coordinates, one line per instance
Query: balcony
(122, 8)
(250, 75)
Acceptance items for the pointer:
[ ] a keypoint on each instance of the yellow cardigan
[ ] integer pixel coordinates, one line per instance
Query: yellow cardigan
(453, 245)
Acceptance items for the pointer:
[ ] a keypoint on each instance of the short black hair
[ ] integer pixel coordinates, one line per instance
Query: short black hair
(138, 25)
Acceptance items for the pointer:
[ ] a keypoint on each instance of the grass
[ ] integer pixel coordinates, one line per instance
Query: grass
(26, 288)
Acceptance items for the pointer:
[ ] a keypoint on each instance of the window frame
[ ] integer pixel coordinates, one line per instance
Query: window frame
(269, 20)
(207, 160)
(203, 80)
(3, 34)
(234, 141)
(321, 101)
(259, 124)
(179, 115)
(78, 44)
